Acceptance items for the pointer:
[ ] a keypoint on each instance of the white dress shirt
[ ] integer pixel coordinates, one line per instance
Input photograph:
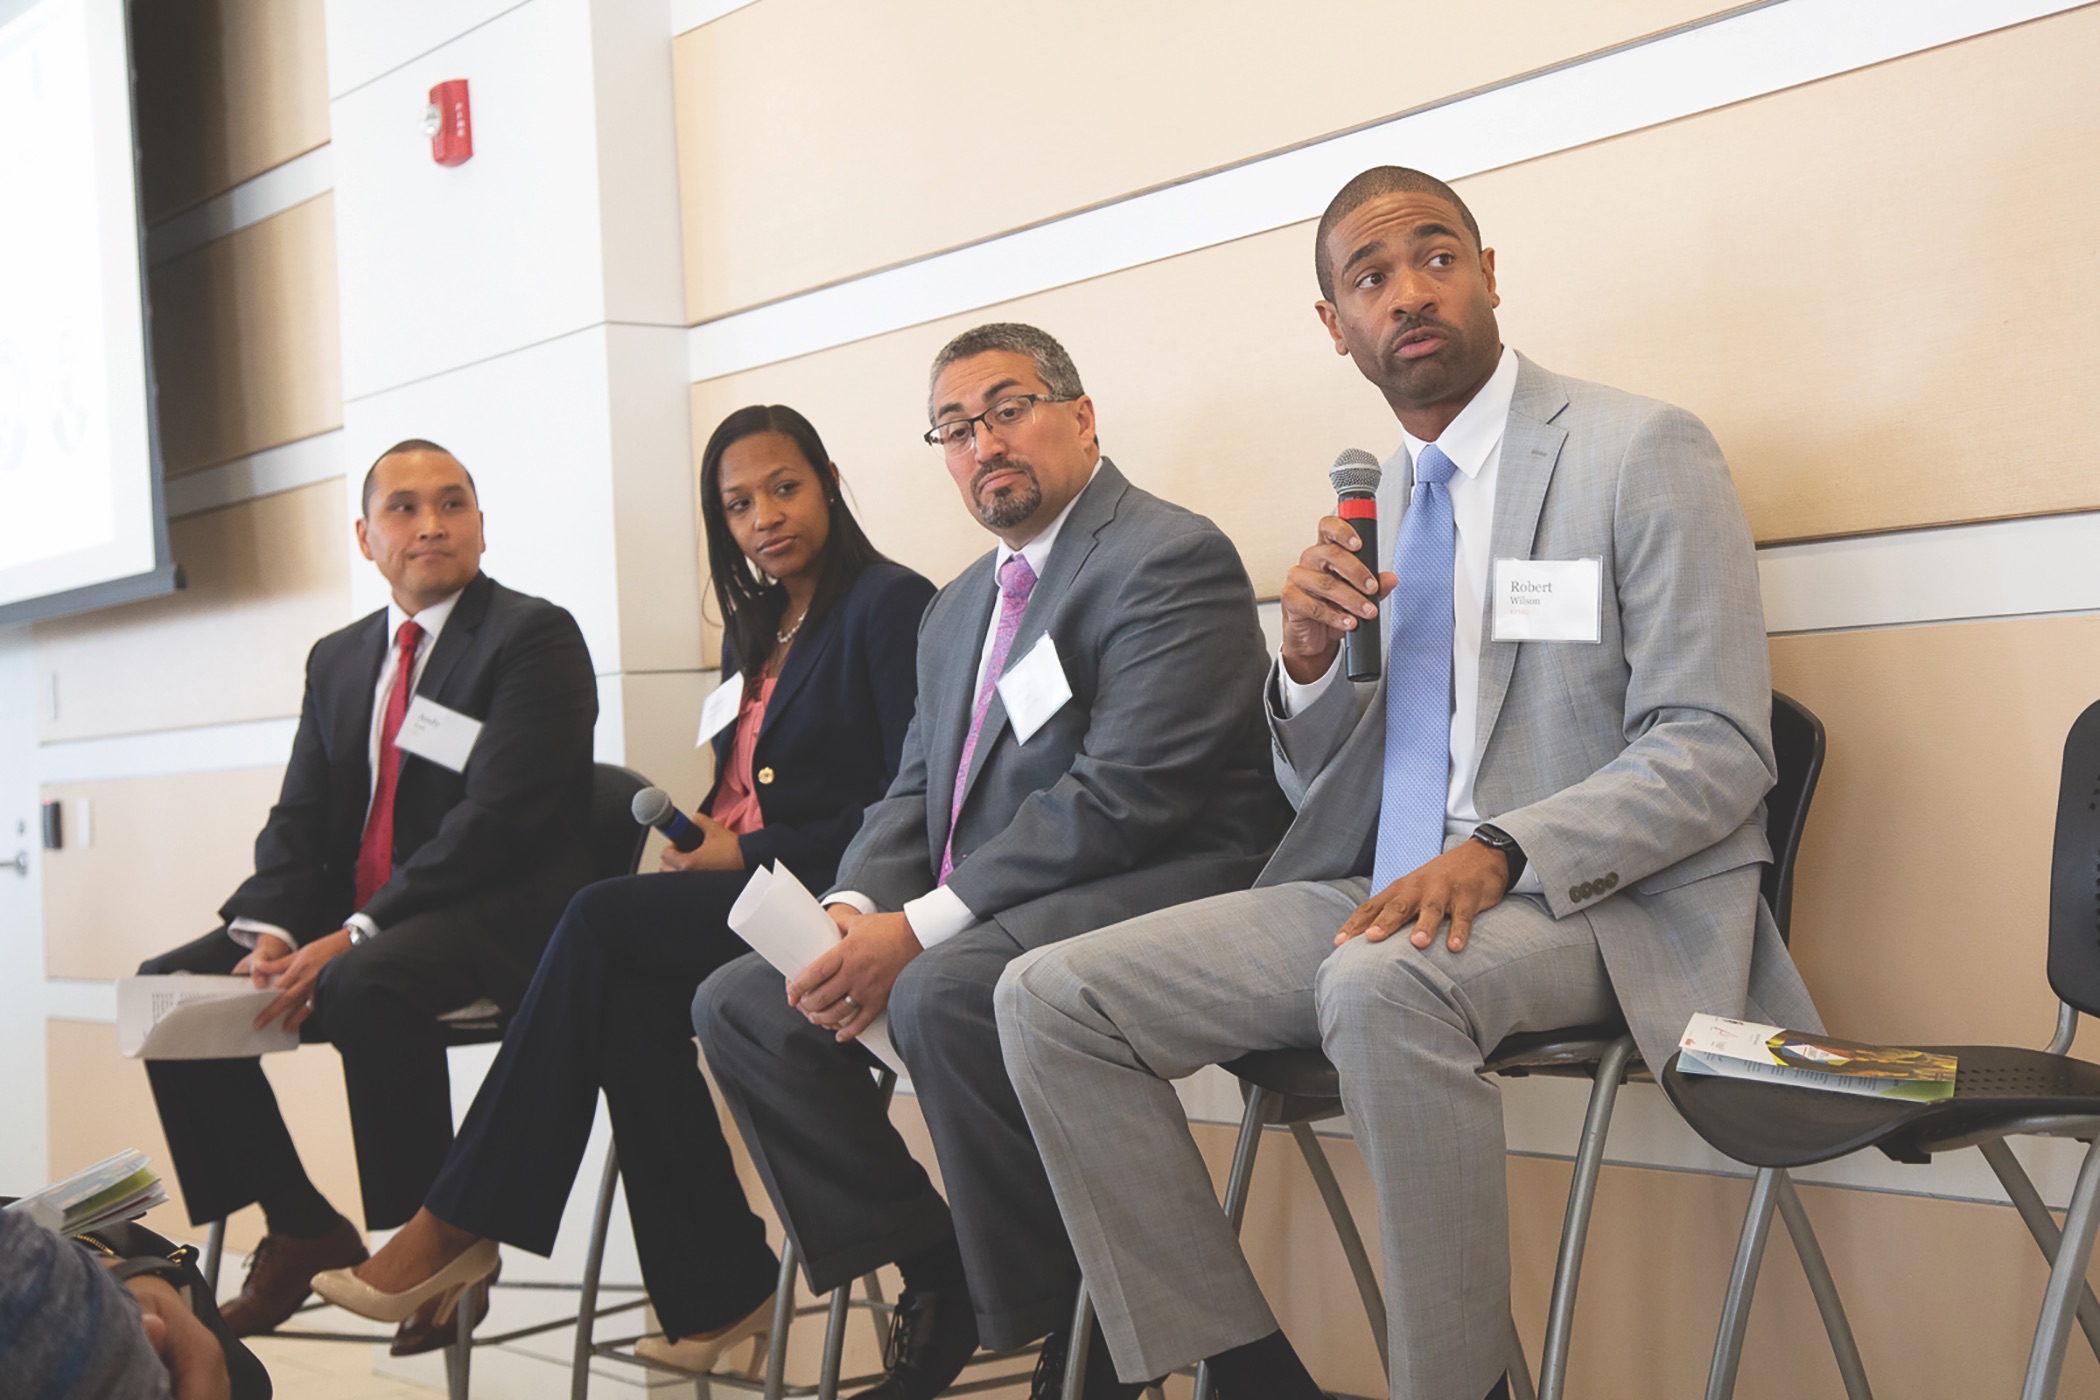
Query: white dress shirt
(432, 621)
(940, 913)
(1473, 442)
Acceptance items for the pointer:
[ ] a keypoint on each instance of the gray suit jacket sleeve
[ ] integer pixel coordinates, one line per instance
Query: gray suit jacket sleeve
(1306, 742)
(1698, 757)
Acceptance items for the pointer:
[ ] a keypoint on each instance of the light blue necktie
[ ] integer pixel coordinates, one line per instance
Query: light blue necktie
(1418, 678)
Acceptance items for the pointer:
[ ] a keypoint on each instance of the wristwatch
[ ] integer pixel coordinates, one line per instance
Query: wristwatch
(1496, 839)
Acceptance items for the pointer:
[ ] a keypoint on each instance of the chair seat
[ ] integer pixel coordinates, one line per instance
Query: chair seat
(1574, 1050)
(1996, 1088)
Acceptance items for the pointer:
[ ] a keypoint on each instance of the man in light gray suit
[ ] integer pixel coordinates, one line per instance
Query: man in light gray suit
(1557, 781)
(1087, 746)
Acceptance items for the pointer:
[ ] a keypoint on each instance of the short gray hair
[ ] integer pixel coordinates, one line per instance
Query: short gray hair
(1052, 365)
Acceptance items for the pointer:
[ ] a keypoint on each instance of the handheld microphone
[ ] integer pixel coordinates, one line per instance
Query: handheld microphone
(1355, 477)
(654, 807)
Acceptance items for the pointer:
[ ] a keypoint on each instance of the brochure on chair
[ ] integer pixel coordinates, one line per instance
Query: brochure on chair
(185, 1016)
(117, 1189)
(1745, 1050)
(786, 926)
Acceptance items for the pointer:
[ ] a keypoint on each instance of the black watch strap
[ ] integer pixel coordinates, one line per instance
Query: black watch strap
(1496, 839)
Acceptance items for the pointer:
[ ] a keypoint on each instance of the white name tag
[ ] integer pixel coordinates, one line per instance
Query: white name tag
(1034, 689)
(720, 708)
(1547, 600)
(444, 736)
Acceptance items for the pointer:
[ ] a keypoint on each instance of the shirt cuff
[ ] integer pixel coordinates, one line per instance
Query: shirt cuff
(937, 916)
(364, 926)
(1296, 698)
(853, 897)
(247, 932)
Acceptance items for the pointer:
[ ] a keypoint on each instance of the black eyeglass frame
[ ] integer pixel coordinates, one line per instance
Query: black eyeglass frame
(931, 437)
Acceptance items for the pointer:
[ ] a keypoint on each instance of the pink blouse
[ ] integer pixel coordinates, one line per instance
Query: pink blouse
(736, 801)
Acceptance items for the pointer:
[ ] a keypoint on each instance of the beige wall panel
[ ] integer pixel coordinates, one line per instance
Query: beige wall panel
(245, 340)
(1873, 287)
(100, 1104)
(1854, 410)
(267, 579)
(226, 90)
(166, 853)
(1921, 904)
(814, 138)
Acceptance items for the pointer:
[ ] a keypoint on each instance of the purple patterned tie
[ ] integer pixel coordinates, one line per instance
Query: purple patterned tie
(1016, 581)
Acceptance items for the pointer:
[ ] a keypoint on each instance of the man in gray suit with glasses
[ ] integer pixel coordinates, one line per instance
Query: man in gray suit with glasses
(1087, 746)
(1547, 811)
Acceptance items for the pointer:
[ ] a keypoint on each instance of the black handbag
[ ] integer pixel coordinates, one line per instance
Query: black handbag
(143, 1252)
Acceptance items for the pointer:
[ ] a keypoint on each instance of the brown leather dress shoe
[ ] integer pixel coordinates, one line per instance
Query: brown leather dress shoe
(280, 1274)
(430, 1327)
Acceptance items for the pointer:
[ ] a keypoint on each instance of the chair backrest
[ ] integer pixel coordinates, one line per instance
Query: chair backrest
(616, 837)
(1797, 742)
(2074, 872)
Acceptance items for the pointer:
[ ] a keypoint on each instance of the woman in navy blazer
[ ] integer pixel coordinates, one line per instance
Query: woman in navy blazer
(822, 633)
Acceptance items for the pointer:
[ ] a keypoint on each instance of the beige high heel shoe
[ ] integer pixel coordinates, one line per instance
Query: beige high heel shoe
(351, 1293)
(699, 1356)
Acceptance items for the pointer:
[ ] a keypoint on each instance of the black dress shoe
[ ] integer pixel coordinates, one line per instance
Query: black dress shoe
(1048, 1382)
(1501, 1390)
(933, 1334)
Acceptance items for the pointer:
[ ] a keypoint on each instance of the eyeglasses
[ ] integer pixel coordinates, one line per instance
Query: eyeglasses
(958, 434)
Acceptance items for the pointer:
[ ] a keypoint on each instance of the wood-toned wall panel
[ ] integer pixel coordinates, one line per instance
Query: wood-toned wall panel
(267, 579)
(1818, 332)
(101, 1104)
(246, 344)
(819, 140)
(1921, 903)
(165, 854)
(226, 90)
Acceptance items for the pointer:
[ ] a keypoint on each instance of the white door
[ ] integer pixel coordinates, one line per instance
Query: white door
(23, 1157)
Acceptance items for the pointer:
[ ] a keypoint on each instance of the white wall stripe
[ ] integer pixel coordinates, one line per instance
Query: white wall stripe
(295, 464)
(68, 1000)
(261, 743)
(1695, 69)
(2002, 568)
(250, 202)
(691, 14)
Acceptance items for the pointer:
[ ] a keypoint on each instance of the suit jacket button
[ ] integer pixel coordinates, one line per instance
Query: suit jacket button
(765, 775)
(1578, 894)
(1611, 881)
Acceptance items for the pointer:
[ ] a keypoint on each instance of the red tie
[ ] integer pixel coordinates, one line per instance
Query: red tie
(375, 854)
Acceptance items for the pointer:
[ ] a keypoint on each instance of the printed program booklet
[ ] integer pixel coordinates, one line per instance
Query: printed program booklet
(1745, 1050)
(119, 1188)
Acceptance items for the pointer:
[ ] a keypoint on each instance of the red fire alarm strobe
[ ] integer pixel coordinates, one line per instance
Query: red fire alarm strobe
(448, 124)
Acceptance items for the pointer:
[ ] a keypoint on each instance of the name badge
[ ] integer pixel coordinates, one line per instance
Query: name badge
(444, 736)
(720, 708)
(1547, 600)
(1034, 689)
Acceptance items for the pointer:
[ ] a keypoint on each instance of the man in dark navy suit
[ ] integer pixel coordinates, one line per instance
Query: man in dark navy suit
(395, 879)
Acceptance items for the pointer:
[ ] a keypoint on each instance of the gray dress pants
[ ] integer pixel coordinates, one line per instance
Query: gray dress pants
(1095, 1028)
(844, 1183)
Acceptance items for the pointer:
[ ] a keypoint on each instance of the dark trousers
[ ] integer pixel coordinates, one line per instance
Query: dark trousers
(609, 1009)
(846, 1186)
(378, 1005)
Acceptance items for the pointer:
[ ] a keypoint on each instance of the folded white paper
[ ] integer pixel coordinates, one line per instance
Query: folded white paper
(188, 1017)
(786, 926)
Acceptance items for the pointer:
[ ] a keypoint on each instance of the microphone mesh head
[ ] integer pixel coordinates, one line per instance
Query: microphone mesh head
(650, 805)
(1355, 470)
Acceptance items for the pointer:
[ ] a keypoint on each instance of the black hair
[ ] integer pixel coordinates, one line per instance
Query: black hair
(1379, 180)
(409, 445)
(752, 607)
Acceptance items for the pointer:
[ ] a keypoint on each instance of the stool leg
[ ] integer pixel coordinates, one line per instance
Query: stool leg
(1345, 1229)
(2042, 1225)
(783, 1315)
(459, 1356)
(1077, 1345)
(834, 1342)
(1519, 1371)
(1742, 1284)
(1810, 1251)
(1575, 1226)
(1236, 1184)
(214, 1249)
(2052, 1330)
(593, 1271)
